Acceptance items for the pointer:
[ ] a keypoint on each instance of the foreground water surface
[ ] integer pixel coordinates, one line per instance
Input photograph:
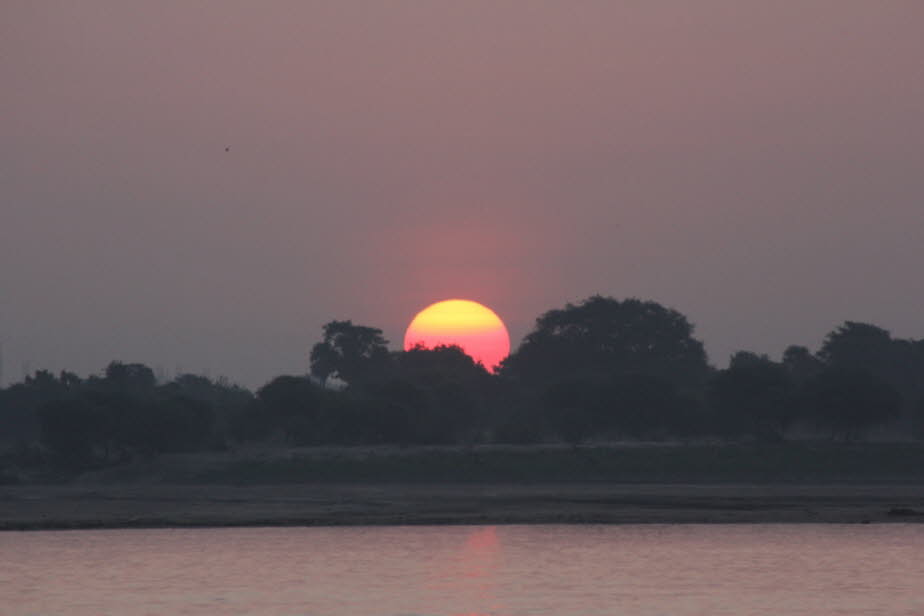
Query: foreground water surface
(458, 570)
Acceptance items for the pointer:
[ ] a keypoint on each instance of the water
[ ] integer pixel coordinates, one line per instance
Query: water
(454, 571)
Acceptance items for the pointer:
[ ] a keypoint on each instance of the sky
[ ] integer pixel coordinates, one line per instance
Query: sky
(200, 186)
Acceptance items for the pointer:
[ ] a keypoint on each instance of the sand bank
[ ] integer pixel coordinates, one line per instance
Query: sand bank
(151, 506)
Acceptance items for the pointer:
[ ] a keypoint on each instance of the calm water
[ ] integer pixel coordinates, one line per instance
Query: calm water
(449, 571)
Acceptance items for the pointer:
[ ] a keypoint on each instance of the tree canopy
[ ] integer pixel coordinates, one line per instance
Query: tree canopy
(600, 369)
(348, 352)
(602, 336)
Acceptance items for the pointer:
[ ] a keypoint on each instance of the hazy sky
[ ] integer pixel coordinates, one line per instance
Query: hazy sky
(758, 166)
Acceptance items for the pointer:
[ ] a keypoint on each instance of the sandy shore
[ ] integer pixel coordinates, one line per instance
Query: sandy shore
(138, 506)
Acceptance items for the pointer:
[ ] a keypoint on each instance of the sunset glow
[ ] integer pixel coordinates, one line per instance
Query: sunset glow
(475, 328)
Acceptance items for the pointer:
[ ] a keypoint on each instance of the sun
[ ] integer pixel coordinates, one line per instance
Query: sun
(475, 328)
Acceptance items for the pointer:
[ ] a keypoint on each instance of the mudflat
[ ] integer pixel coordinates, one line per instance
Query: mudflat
(158, 505)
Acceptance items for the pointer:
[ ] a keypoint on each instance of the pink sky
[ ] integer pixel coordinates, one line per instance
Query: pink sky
(755, 165)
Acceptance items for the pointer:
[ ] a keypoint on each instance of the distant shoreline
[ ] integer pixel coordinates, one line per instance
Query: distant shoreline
(806, 482)
(173, 506)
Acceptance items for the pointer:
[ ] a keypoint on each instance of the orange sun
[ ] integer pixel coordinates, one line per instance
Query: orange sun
(474, 327)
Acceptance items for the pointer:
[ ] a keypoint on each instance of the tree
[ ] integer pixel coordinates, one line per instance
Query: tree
(177, 424)
(399, 411)
(848, 404)
(19, 403)
(70, 429)
(442, 363)
(861, 347)
(94, 427)
(572, 409)
(349, 352)
(644, 406)
(602, 337)
(218, 393)
(227, 404)
(754, 396)
(292, 403)
(800, 364)
(133, 378)
(324, 361)
(456, 388)
(628, 405)
(858, 347)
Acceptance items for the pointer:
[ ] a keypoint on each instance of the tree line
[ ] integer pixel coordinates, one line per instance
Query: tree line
(600, 369)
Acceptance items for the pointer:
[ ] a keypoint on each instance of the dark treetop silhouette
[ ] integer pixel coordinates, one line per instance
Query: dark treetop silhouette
(602, 369)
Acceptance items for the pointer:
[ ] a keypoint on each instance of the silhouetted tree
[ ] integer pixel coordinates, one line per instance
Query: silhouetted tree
(603, 368)
(111, 419)
(123, 423)
(293, 403)
(71, 429)
(400, 412)
(177, 424)
(136, 379)
(218, 392)
(848, 404)
(419, 396)
(858, 347)
(94, 427)
(349, 352)
(227, 404)
(650, 407)
(324, 361)
(861, 347)
(19, 403)
(801, 365)
(754, 396)
(627, 405)
(516, 414)
(455, 387)
(573, 409)
(603, 336)
(443, 363)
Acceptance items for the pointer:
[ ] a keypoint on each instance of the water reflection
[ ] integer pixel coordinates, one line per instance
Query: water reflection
(748, 570)
(469, 576)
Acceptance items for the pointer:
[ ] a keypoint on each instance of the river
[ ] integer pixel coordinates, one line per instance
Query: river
(538, 570)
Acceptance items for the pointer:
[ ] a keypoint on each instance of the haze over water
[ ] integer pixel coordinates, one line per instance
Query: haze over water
(738, 570)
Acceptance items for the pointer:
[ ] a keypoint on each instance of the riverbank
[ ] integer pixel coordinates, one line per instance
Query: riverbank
(152, 506)
(805, 462)
(487, 484)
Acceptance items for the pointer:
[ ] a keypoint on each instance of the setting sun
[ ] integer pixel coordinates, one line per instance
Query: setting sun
(475, 328)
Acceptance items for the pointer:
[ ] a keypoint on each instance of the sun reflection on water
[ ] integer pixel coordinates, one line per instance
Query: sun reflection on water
(470, 575)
